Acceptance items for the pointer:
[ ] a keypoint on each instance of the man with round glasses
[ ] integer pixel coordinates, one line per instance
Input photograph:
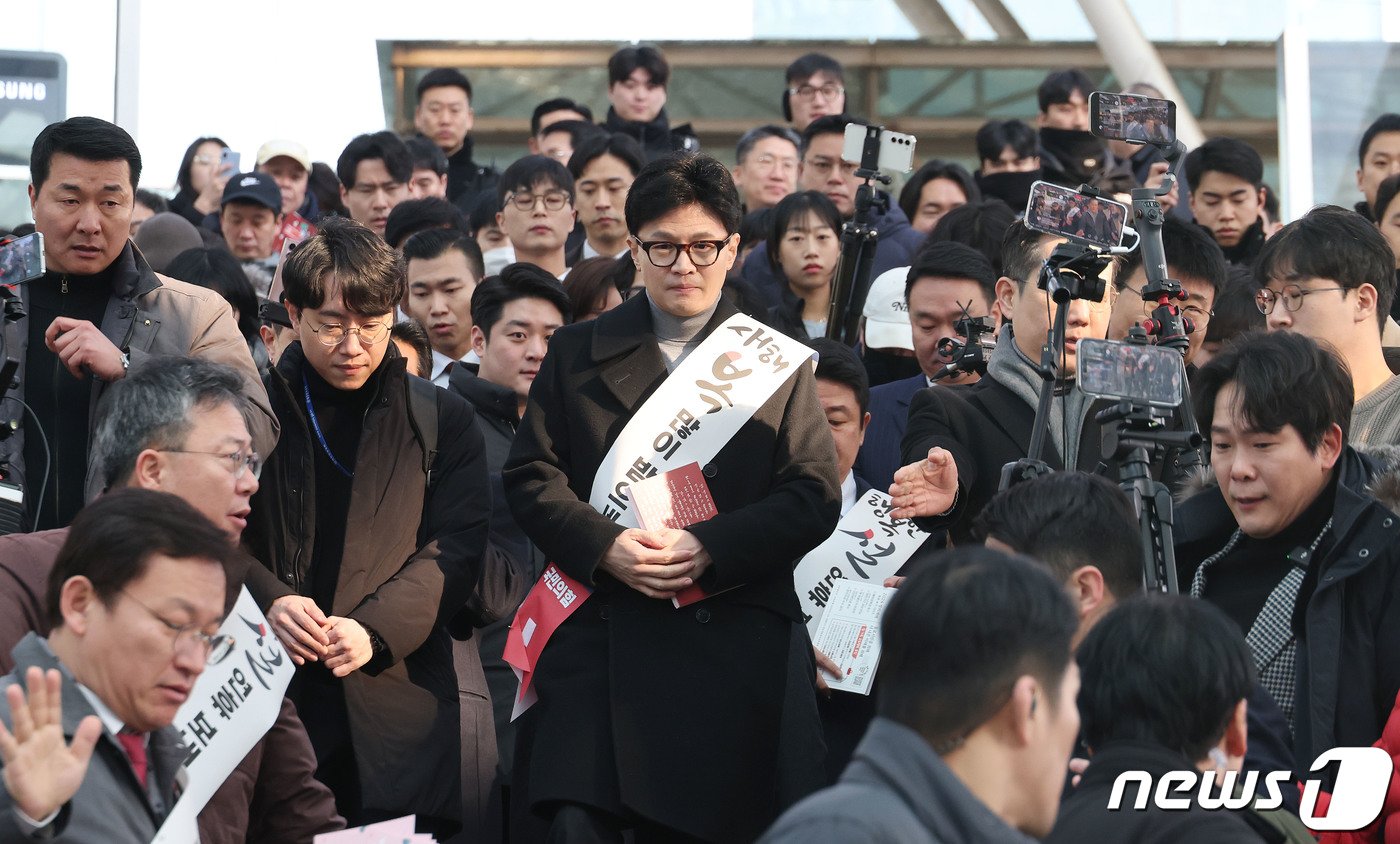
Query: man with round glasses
(176, 425)
(370, 526)
(816, 87)
(537, 213)
(1331, 276)
(697, 721)
(137, 594)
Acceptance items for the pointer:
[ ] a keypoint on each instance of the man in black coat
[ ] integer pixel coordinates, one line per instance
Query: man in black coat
(1293, 542)
(959, 438)
(444, 116)
(1163, 686)
(371, 522)
(637, 79)
(513, 316)
(696, 723)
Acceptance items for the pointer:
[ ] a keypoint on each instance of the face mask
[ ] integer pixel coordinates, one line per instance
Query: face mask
(496, 259)
(883, 367)
(1012, 188)
(1080, 153)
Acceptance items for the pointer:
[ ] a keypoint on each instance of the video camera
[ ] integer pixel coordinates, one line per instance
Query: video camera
(969, 352)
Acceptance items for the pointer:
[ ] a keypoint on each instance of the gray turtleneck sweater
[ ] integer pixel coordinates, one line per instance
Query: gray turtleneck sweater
(678, 337)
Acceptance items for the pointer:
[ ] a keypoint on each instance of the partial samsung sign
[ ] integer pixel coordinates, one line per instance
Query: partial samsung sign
(33, 94)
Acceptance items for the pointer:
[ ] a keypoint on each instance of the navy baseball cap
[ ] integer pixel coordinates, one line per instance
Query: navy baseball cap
(257, 188)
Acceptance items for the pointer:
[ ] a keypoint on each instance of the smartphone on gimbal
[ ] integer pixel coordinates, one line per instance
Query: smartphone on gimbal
(1078, 216)
(1111, 369)
(1132, 118)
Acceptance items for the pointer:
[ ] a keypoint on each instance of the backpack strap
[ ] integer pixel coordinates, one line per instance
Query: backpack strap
(423, 417)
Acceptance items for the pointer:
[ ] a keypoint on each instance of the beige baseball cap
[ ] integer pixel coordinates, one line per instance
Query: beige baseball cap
(290, 149)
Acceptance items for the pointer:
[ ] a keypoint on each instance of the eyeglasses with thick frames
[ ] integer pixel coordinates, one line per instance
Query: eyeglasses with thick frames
(236, 462)
(333, 333)
(829, 91)
(1292, 297)
(554, 200)
(216, 648)
(663, 253)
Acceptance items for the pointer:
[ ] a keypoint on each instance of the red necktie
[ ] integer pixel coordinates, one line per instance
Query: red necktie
(135, 746)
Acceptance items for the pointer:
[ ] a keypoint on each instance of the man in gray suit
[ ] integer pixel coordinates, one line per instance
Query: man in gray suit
(137, 595)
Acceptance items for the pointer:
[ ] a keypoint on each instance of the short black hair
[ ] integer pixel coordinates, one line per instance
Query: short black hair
(996, 135)
(1235, 310)
(646, 57)
(1230, 156)
(981, 225)
(416, 215)
(152, 200)
(839, 363)
(1386, 192)
(750, 139)
(412, 332)
(368, 272)
(1191, 253)
(484, 209)
(1163, 669)
(426, 155)
(805, 66)
(520, 280)
(1058, 86)
(112, 540)
(433, 243)
(936, 169)
(325, 185)
(580, 131)
(530, 172)
(1281, 378)
(557, 104)
(1009, 618)
(1020, 253)
(827, 124)
(792, 209)
(1332, 243)
(216, 269)
(680, 179)
(1389, 122)
(444, 77)
(1067, 520)
(1270, 205)
(588, 284)
(182, 177)
(383, 146)
(620, 146)
(88, 138)
(947, 259)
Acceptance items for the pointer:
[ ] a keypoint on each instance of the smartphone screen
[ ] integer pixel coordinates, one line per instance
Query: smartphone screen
(22, 259)
(1111, 369)
(228, 161)
(1088, 219)
(1129, 117)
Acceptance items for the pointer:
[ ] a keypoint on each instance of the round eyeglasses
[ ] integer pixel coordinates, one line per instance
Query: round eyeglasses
(664, 253)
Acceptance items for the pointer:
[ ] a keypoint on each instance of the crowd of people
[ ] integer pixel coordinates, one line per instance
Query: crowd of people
(401, 399)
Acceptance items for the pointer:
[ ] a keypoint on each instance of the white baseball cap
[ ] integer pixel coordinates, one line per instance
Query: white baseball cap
(887, 314)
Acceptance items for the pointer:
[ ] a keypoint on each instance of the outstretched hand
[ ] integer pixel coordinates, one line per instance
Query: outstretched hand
(42, 771)
(926, 488)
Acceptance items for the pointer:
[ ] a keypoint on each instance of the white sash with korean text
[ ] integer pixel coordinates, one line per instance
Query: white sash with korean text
(697, 409)
(867, 546)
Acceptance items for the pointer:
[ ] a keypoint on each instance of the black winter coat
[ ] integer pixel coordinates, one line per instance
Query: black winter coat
(704, 718)
(413, 556)
(1347, 668)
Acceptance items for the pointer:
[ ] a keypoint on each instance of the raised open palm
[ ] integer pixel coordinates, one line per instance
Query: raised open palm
(42, 771)
(926, 488)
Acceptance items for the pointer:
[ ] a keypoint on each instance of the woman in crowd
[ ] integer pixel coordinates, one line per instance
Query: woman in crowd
(804, 246)
(200, 183)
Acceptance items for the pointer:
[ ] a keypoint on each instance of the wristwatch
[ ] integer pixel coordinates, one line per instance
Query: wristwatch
(126, 361)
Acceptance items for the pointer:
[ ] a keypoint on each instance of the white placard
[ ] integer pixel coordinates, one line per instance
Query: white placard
(849, 633)
(867, 546)
(232, 706)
